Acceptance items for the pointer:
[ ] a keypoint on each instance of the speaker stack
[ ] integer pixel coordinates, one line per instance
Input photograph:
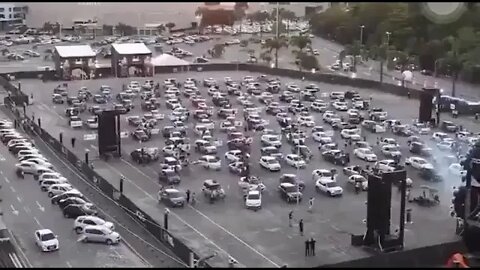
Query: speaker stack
(109, 133)
(426, 105)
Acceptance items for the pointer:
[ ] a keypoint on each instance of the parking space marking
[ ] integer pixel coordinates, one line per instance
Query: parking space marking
(6, 180)
(27, 209)
(38, 222)
(69, 264)
(13, 189)
(19, 199)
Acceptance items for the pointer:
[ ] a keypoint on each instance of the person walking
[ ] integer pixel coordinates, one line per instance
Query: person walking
(194, 201)
(300, 226)
(188, 195)
(73, 142)
(290, 218)
(310, 204)
(312, 246)
(307, 247)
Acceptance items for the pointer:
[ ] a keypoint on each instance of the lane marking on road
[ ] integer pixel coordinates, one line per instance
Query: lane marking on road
(141, 172)
(174, 214)
(19, 199)
(38, 222)
(6, 180)
(15, 260)
(14, 211)
(53, 111)
(93, 146)
(234, 236)
(69, 264)
(40, 206)
(13, 189)
(27, 209)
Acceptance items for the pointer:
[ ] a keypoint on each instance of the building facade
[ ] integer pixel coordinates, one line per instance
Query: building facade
(131, 59)
(12, 14)
(74, 62)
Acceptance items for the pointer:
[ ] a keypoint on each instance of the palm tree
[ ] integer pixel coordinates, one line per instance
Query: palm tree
(170, 25)
(218, 50)
(301, 42)
(275, 44)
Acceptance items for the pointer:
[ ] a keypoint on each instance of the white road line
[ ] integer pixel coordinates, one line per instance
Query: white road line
(53, 111)
(27, 209)
(69, 264)
(13, 189)
(140, 171)
(15, 260)
(40, 206)
(1, 172)
(19, 199)
(93, 146)
(38, 222)
(234, 236)
(6, 180)
(130, 181)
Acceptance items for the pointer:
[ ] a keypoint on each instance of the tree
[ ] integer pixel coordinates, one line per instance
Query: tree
(283, 14)
(107, 29)
(218, 50)
(170, 26)
(260, 17)
(266, 56)
(282, 28)
(301, 42)
(275, 44)
(306, 61)
(354, 50)
(160, 29)
(125, 30)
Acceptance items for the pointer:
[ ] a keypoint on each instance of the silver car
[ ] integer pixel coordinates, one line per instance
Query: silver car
(100, 234)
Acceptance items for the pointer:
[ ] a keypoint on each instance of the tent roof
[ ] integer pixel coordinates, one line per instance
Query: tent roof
(131, 48)
(168, 60)
(75, 51)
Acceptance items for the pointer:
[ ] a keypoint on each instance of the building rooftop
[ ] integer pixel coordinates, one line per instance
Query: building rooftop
(168, 60)
(75, 51)
(131, 48)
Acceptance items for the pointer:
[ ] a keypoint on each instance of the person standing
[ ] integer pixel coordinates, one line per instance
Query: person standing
(300, 226)
(290, 218)
(73, 142)
(310, 204)
(193, 199)
(312, 246)
(188, 195)
(307, 247)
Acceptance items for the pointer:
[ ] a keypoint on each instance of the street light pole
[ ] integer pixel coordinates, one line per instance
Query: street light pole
(278, 19)
(388, 37)
(361, 33)
(435, 68)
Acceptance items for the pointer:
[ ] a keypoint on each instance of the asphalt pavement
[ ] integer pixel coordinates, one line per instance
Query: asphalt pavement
(256, 238)
(27, 208)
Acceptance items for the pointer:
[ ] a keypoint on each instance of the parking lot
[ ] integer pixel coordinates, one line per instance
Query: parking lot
(261, 238)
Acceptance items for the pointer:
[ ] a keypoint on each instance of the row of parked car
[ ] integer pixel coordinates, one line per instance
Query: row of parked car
(71, 202)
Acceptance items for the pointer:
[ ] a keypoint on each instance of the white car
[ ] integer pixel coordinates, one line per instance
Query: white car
(100, 234)
(29, 167)
(457, 170)
(293, 88)
(365, 154)
(26, 152)
(352, 179)
(210, 162)
(56, 189)
(295, 160)
(439, 136)
(209, 82)
(391, 150)
(82, 221)
(418, 163)
(386, 165)
(253, 199)
(41, 162)
(50, 175)
(445, 145)
(329, 187)
(318, 106)
(271, 140)
(388, 141)
(307, 121)
(340, 106)
(47, 183)
(323, 174)
(321, 137)
(46, 240)
(234, 155)
(270, 163)
(92, 123)
(352, 134)
(463, 135)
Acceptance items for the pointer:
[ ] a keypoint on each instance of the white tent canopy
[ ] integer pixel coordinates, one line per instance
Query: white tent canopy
(168, 60)
(75, 51)
(131, 48)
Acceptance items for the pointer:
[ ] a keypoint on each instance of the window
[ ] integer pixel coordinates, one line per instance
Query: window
(10, 9)
(2, 9)
(89, 222)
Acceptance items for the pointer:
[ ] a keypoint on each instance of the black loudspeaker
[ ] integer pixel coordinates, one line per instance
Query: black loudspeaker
(425, 111)
(108, 132)
(378, 208)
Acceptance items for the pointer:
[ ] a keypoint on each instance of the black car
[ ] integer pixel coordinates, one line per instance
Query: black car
(290, 192)
(307, 96)
(76, 210)
(336, 157)
(449, 126)
(292, 179)
(350, 94)
(71, 200)
(430, 175)
(420, 149)
(172, 197)
(145, 155)
(170, 177)
(286, 97)
(140, 135)
(220, 101)
(134, 121)
(58, 99)
(55, 199)
(119, 108)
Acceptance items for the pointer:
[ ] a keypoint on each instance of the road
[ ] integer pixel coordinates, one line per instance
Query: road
(27, 208)
(253, 238)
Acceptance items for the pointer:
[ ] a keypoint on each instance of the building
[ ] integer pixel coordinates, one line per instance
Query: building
(222, 14)
(12, 14)
(131, 59)
(77, 61)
